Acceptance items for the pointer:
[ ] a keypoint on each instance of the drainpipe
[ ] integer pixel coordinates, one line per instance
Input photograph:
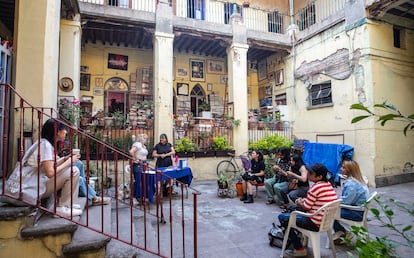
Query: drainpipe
(292, 12)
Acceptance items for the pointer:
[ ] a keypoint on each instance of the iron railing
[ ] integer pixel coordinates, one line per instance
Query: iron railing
(219, 11)
(109, 167)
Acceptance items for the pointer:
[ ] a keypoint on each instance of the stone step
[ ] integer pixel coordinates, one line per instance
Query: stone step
(91, 240)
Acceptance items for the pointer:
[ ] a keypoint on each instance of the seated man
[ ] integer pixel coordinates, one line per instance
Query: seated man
(275, 184)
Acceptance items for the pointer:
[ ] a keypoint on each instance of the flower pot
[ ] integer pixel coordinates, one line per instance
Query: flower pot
(239, 189)
(222, 185)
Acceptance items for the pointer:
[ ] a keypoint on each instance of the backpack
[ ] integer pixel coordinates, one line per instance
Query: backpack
(276, 235)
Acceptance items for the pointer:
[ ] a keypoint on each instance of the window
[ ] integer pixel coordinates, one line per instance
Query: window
(275, 22)
(229, 9)
(399, 37)
(320, 94)
(280, 99)
(195, 9)
(306, 16)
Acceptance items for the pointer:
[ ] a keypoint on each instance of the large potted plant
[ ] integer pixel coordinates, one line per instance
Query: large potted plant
(184, 147)
(221, 146)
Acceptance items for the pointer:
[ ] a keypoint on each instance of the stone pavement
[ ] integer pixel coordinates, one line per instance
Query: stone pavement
(229, 228)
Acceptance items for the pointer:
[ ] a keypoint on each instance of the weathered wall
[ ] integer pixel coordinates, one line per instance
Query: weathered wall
(363, 66)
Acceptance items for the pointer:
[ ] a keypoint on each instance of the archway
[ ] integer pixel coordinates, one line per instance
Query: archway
(116, 95)
(198, 97)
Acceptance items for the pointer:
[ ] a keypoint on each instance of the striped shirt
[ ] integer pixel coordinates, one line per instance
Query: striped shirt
(318, 195)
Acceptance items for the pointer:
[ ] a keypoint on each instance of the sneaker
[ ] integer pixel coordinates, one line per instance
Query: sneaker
(76, 206)
(297, 253)
(66, 212)
(101, 200)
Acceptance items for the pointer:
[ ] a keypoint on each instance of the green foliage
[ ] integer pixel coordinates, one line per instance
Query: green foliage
(221, 143)
(394, 115)
(224, 180)
(123, 143)
(271, 142)
(269, 160)
(184, 145)
(367, 247)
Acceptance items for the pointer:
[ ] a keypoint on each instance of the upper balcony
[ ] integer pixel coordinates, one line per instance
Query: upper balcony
(195, 23)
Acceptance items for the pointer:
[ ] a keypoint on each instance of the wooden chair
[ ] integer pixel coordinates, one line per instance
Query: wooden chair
(330, 211)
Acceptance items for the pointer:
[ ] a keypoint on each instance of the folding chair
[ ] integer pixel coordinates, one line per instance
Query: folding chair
(330, 211)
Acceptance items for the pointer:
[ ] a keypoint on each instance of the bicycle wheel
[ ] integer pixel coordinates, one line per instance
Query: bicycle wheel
(226, 168)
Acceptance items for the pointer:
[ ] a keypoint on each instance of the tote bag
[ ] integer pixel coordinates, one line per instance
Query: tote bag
(29, 180)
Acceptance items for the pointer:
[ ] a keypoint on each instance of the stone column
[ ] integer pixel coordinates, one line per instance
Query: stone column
(163, 72)
(37, 51)
(237, 93)
(237, 82)
(69, 62)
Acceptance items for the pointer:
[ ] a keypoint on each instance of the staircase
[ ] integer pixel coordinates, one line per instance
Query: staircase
(165, 228)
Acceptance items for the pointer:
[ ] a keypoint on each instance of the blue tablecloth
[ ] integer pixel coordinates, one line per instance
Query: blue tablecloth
(148, 179)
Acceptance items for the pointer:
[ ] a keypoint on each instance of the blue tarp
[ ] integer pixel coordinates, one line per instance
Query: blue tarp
(330, 155)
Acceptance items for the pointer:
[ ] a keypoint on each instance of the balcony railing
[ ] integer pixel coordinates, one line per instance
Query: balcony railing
(220, 11)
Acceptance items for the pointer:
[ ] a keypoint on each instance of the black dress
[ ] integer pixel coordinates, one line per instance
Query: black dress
(163, 149)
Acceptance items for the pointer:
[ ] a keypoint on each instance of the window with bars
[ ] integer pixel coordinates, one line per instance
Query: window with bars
(306, 16)
(320, 94)
(275, 22)
(229, 9)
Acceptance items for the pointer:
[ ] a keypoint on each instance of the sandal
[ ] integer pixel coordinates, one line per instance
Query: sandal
(101, 200)
(269, 202)
(284, 206)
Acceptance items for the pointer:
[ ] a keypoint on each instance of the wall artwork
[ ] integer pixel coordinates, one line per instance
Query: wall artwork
(119, 62)
(182, 72)
(214, 66)
(279, 77)
(262, 70)
(182, 89)
(98, 91)
(197, 67)
(99, 82)
(85, 81)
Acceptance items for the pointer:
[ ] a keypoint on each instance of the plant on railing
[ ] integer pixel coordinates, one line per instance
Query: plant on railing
(394, 115)
(70, 110)
(271, 142)
(379, 247)
(221, 143)
(184, 145)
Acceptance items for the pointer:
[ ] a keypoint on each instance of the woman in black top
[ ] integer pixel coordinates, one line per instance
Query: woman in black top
(163, 152)
(254, 176)
(298, 181)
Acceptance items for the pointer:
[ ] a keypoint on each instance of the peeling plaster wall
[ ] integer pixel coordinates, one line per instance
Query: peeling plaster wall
(363, 66)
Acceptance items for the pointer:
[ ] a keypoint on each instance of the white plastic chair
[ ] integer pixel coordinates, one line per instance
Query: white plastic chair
(330, 211)
(364, 207)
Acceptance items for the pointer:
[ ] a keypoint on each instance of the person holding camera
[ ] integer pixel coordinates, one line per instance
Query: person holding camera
(253, 176)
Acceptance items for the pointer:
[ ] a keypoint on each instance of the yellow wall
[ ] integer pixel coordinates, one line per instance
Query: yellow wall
(95, 58)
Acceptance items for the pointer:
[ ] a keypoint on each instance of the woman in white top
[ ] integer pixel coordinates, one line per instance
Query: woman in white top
(139, 153)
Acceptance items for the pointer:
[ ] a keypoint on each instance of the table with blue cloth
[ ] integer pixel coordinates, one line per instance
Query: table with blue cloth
(184, 175)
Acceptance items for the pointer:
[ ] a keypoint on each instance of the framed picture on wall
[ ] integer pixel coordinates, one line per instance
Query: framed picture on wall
(85, 81)
(182, 89)
(99, 82)
(98, 91)
(262, 70)
(214, 66)
(197, 73)
(119, 62)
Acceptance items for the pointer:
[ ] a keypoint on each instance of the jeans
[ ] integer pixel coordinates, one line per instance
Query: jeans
(82, 182)
(347, 214)
(293, 194)
(273, 190)
(303, 222)
(137, 170)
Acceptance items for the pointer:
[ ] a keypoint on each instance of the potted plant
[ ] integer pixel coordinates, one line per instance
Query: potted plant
(221, 146)
(184, 147)
(204, 110)
(119, 119)
(223, 181)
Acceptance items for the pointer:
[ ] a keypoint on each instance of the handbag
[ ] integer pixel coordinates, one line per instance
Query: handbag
(276, 235)
(29, 180)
